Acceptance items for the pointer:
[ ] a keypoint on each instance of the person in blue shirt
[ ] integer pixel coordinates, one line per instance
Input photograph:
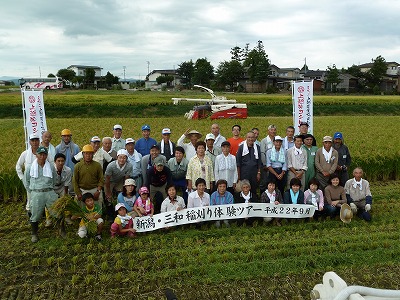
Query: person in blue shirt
(220, 197)
(144, 144)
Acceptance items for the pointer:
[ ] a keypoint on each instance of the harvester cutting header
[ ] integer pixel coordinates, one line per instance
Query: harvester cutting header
(218, 107)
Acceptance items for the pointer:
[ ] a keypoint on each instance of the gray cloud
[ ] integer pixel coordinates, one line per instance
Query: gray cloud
(113, 34)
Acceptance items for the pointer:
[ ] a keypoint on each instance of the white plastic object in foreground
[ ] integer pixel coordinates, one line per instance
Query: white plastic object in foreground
(335, 288)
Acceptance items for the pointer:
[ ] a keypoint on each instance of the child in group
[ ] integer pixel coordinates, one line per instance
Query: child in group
(123, 223)
(143, 205)
(172, 202)
(314, 196)
(93, 213)
(128, 195)
(271, 195)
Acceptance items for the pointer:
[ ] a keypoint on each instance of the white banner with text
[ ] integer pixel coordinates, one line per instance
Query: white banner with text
(222, 212)
(35, 117)
(302, 93)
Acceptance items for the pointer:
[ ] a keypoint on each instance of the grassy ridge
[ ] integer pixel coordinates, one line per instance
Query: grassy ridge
(261, 262)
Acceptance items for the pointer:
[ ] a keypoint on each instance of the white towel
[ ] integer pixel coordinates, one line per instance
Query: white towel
(171, 150)
(246, 150)
(35, 169)
(357, 183)
(327, 154)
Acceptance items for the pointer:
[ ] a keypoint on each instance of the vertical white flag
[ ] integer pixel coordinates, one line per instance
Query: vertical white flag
(34, 115)
(302, 93)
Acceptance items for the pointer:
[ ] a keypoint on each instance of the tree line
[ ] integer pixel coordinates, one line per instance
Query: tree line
(245, 63)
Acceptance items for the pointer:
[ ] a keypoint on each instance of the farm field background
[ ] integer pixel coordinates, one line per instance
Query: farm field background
(260, 262)
(74, 104)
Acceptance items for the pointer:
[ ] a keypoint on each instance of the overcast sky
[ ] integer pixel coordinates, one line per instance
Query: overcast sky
(49, 35)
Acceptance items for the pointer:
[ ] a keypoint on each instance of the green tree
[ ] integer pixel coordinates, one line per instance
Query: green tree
(333, 78)
(203, 72)
(374, 76)
(51, 75)
(165, 79)
(237, 53)
(89, 76)
(257, 64)
(66, 74)
(355, 71)
(185, 71)
(109, 79)
(229, 73)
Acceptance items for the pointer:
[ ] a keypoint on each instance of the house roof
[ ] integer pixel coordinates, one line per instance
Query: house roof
(315, 73)
(84, 67)
(168, 71)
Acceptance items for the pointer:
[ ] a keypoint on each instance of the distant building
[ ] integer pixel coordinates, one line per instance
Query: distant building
(392, 79)
(151, 79)
(80, 70)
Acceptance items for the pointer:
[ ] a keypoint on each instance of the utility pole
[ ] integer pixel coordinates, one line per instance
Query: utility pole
(148, 67)
(124, 67)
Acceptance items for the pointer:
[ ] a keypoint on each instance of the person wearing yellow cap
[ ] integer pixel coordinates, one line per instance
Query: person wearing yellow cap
(88, 176)
(68, 148)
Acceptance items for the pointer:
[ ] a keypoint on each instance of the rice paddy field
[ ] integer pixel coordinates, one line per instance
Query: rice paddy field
(259, 262)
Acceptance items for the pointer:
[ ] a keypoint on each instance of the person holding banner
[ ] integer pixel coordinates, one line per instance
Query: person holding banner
(294, 195)
(220, 197)
(68, 148)
(272, 195)
(25, 160)
(173, 202)
(199, 197)
(326, 160)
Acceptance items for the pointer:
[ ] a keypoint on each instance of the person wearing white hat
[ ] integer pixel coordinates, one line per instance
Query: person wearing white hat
(123, 223)
(100, 155)
(25, 160)
(326, 161)
(135, 158)
(297, 162)
(276, 164)
(167, 147)
(211, 151)
(116, 173)
(128, 195)
(117, 141)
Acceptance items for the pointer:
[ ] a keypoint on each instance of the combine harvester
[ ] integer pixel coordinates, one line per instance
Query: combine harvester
(218, 107)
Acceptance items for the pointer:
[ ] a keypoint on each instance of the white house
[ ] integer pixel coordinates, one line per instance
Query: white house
(151, 78)
(80, 70)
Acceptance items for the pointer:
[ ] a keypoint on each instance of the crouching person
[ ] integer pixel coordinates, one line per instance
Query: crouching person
(123, 223)
(359, 195)
(39, 180)
(93, 213)
(221, 197)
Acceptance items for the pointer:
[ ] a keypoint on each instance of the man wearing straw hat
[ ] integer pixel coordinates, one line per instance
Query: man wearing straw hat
(193, 136)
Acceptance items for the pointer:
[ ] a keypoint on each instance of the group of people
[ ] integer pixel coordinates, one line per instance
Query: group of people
(147, 176)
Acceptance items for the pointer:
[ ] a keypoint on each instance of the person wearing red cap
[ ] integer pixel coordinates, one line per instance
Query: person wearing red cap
(143, 205)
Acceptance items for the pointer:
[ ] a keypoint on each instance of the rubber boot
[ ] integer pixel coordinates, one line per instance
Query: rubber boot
(62, 232)
(35, 228)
